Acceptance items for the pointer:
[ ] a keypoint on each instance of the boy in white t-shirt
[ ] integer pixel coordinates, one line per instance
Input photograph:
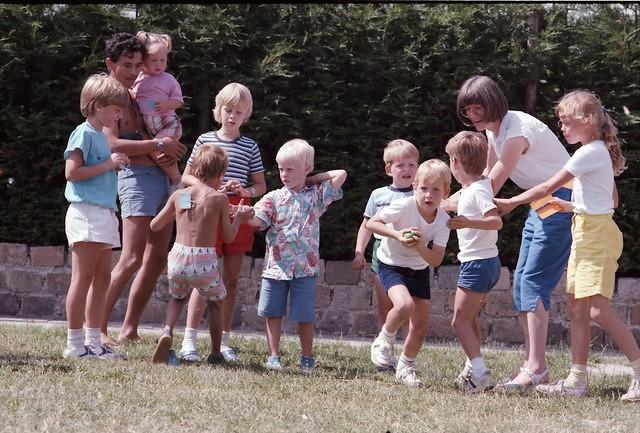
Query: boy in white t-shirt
(477, 226)
(408, 225)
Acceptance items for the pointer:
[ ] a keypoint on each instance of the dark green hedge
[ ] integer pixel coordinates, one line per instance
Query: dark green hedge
(348, 78)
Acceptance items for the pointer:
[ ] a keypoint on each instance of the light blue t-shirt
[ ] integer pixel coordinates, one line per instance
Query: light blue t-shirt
(382, 197)
(100, 190)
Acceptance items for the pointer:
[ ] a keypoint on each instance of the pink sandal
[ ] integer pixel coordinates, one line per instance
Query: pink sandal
(534, 380)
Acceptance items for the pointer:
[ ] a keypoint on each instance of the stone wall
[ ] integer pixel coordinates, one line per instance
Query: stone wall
(34, 282)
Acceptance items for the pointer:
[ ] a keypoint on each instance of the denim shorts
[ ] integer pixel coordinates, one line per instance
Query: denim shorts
(143, 190)
(544, 251)
(479, 275)
(273, 299)
(416, 281)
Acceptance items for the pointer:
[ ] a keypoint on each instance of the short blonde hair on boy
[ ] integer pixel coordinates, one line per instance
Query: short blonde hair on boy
(434, 170)
(210, 162)
(399, 148)
(232, 94)
(299, 150)
(148, 39)
(104, 90)
(470, 148)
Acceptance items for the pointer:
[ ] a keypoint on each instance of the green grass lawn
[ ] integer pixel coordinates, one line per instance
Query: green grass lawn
(42, 392)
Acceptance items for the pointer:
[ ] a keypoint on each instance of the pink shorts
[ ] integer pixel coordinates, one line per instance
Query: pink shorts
(194, 267)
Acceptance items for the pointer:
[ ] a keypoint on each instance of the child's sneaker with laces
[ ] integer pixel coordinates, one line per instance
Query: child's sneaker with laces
(84, 353)
(273, 363)
(473, 384)
(229, 354)
(382, 354)
(462, 376)
(105, 352)
(406, 374)
(633, 393)
(562, 388)
(307, 364)
(188, 356)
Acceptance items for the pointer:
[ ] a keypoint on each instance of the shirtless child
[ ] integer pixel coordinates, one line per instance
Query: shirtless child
(192, 263)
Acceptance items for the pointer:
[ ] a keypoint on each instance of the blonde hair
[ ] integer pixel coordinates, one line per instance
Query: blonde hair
(299, 150)
(470, 148)
(399, 148)
(104, 90)
(232, 94)
(148, 39)
(585, 106)
(209, 162)
(435, 170)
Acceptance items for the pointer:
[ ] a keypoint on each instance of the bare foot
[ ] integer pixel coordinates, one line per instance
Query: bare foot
(127, 339)
(107, 341)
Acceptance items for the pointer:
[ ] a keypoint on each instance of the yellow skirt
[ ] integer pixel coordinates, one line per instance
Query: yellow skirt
(595, 250)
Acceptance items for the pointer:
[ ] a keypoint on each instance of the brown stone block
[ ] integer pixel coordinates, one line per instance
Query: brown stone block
(58, 282)
(250, 319)
(341, 272)
(47, 256)
(634, 315)
(635, 330)
(13, 254)
(335, 322)
(256, 272)
(9, 304)
(365, 324)
(161, 291)
(628, 290)
(439, 302)
(451, 300)
(500, 304)
(26, 281)
(324, 293)
(38, 306)
(506, 331)
(156, 310)
(447, 277)
(4, 286)
(247, 292)
(504, 282)
(351, 297)
(621, 311)
(440, 327)
(247, 265)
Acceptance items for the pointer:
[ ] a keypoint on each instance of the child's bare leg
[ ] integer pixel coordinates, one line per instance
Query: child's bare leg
(274, 330)
(173, 314)
(402, 310)
(580, 331)
(418, 325)
(214, 309)
(195, 311)
(383, 301)
(84, 259)
(305, 331)
(620, 333)
(536, 323)
(466, 307)
(98, 290)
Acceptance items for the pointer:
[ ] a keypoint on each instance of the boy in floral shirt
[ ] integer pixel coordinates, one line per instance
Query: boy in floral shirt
(292, 216)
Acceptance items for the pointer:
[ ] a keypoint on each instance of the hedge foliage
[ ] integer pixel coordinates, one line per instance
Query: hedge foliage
(348, 78)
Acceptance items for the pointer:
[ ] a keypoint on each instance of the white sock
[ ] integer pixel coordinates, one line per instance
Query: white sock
(92, 337)
(404, 359)
(388, 336)
(225, 338)
(635, 366)
(478, 367)
(75, 339)
(189, 340)
(467, 365)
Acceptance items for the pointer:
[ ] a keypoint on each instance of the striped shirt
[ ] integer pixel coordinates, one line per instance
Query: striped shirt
(244, 156)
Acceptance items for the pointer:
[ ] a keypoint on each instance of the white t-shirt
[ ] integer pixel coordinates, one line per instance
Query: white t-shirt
(545, 155)
(474, 201)
(401, 214)
(593, 185)
(381, 197)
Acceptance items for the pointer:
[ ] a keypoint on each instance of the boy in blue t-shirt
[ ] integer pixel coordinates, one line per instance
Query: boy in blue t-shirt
(400, 163)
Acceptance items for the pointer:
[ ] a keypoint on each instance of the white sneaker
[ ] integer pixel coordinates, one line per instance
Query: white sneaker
(84, 353)
(105, 352)
(474, 384)
(462, 376)
(633, 393)
(382, 354)
(406, 374)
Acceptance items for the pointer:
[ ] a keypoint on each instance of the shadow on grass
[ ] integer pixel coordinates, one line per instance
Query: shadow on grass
(42, 364)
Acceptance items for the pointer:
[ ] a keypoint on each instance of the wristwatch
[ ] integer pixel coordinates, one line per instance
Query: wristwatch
(160, 145)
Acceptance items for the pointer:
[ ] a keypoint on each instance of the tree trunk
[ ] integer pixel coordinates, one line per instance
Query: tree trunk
(532, 42)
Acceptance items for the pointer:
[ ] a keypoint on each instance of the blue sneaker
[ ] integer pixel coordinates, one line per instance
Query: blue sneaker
(274, 363)
(307, 363)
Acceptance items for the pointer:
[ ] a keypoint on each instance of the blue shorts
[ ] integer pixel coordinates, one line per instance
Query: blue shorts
(273, 299)
(416, 282)
(479, 275)
(143, 190)
(374, 255)
(544, 251)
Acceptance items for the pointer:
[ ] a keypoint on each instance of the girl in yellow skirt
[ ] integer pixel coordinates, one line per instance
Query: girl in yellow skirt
(597, 241)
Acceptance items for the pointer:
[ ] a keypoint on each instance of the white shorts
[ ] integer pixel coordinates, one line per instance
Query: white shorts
(87, 222)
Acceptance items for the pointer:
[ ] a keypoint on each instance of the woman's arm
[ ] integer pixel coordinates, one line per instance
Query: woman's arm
(545, 188)
(500, 171)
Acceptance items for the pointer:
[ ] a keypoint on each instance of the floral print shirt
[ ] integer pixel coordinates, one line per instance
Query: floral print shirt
(293, 235)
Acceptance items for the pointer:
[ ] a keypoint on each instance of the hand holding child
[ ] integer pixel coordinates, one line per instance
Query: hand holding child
(458, 222)
(119, 160)
(504, 205)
